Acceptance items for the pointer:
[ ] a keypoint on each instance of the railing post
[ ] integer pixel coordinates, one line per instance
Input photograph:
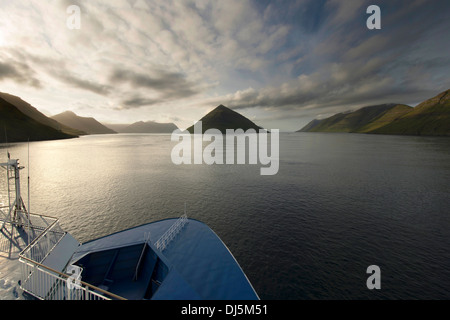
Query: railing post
(68, 293)
(32, 278)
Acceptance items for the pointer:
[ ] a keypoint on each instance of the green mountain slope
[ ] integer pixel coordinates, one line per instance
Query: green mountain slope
(223, 118)
(387, 117)
(431, 117)
(16, 126)
(361, 120)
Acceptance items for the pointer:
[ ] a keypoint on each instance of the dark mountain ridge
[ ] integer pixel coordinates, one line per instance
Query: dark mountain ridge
(223, 118)
(143, 127)
(86, 124)
(16, 126)
(35, 114)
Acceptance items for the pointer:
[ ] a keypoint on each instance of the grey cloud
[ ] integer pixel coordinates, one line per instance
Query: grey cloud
(160, 81)
(405, 62)
(167, 85)
(137, 102)
(7, 70)
(19, 72)
(302, 57)
(22, 72)
(339, 89)
(83, 84)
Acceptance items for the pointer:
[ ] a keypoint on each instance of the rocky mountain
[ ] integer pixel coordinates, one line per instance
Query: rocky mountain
(88, 125)
(356, 121)
(143, 127)
(116, 127)
(35, 114)
(16, 126)
(431, 117)
(223, 118)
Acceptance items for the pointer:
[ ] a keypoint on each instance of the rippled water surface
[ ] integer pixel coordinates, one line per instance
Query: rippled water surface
(339, 203)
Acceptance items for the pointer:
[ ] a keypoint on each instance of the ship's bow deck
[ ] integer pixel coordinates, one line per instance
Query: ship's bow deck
(197, 263)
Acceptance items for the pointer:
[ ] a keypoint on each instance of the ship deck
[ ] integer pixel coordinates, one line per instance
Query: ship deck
(199, 265)
(195, 264)
(12, 241)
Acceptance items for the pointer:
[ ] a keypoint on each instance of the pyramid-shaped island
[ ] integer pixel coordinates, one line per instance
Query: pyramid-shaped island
(223, 118)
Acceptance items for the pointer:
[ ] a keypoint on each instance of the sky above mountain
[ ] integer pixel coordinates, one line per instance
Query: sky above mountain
(279, 63)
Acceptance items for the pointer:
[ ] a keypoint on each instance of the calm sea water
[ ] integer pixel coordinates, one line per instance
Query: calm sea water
(339, 203)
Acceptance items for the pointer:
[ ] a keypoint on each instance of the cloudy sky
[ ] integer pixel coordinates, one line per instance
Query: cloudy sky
(281, 63)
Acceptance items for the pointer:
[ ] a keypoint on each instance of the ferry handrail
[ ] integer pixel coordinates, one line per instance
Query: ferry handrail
(66, 277)
(170, 234)
(146, 240)
(28, 250)
(43, 233)
(26, 257)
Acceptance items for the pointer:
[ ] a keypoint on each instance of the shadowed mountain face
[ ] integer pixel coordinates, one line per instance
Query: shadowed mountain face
(144, 127)
(35, 114)
(88, 125)
(16, 126)
(431, 117)
(223, 118)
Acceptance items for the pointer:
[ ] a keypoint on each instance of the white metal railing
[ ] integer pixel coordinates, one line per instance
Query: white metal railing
(46, 283)
(3, 215)
(44, 234)
(170, 234)
(44, 243)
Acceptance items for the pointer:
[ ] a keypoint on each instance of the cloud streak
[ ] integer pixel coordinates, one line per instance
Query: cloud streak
(20, 73)
(167, 85)
(288, 61)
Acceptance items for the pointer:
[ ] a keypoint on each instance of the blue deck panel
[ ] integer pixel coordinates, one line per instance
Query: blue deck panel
(175, 288)
(200, 265)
